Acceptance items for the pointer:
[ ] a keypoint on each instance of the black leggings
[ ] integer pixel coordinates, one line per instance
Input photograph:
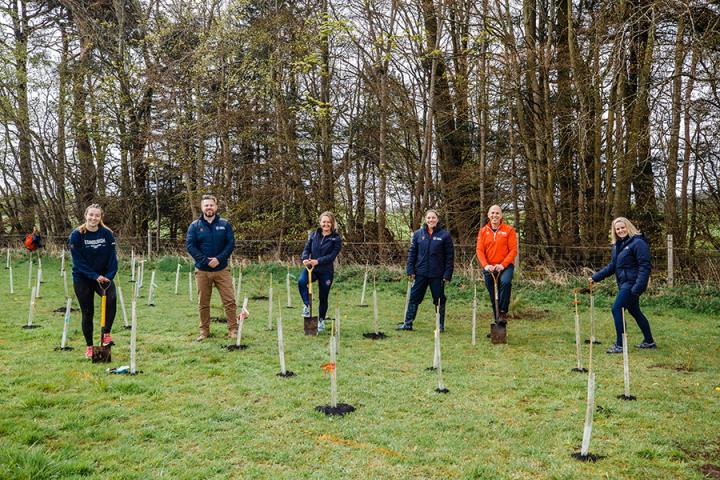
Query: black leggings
(85, 291)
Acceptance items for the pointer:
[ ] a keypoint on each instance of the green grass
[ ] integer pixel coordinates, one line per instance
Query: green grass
(513, 411)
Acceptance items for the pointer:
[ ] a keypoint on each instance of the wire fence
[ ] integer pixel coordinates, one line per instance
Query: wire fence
(534, 261)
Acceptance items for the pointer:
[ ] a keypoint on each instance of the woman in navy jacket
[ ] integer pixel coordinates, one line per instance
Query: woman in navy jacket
(429, 264)
(92, 246)
(320, 251)
(631, 265)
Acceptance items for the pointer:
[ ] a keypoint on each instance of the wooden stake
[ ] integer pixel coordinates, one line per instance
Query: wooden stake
(376, 328)
(362, 295)
(122, 305)
(177, 278)
(133, 336)
(436, 354)
(39, 281)
(190, 287)
(407, 299)
(31, 312)
(333, 373)
(626, 358)
(589, 411)
(474, 314)
(239, 287)
(62, 261)
(337, 329)
(281, 348)
(287, 287)
(270, 303)
(66, 324)
(151, 289)
(441, 384)
(578, 354)
(7, 258)
(241, 321)
(132, 265)
(30, 270)
(12, 287)
(65, 285)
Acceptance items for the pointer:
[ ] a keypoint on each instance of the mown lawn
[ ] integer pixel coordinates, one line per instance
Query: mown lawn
(514, 411)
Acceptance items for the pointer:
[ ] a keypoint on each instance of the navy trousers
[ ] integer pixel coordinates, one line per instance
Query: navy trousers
(631, 303)
(504, 289)
(324, 280)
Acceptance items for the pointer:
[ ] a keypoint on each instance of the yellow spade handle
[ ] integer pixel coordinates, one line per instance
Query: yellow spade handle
(309, 269)
(103, 306)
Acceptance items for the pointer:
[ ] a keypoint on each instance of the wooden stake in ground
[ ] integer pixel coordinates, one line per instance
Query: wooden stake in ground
(39, 281)
(287, 287)
(441, 385)
(151, 289)
(474, 314)
(591, 291)
(12, 287)
(65, 285)
(239, 286)
(190, 287)
(66, 325)
(122, 306)
(436, 354)
(241, 321)
(7, 258)
(376, 334)
(407, 299)
(337, 329)
(30, 270)
(31, 311)
(62, 262)
(578, 354)
(133, 337)
(364, 287)
(270, 303)
(333, 372)
(132, 265)
(626, 363)
(281, 348)
(177, 279)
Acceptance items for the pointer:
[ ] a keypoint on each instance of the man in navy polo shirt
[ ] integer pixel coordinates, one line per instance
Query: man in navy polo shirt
(210, 241)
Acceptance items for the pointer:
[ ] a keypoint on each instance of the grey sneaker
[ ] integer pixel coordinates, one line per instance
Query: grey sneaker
(404, 326)
(321, 325)
(306, 311)
(614, 349)
(645, 344)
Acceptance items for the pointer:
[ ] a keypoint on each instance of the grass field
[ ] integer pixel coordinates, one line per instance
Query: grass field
(514, 411)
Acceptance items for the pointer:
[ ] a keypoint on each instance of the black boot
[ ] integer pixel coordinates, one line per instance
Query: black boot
(442, 317)
(409, 317)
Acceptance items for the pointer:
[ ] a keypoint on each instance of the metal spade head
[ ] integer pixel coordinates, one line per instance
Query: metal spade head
(311, 325)
(498, 333)
(101, 354)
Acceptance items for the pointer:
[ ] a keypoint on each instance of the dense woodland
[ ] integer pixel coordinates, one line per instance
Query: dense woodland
(566, 113)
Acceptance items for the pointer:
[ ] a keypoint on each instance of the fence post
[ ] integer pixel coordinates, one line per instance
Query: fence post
(149, 251)
(517, 256)
(670, 260)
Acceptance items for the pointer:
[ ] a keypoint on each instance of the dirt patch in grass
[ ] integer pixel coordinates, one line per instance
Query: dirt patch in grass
(530, 314)
(710, 471)
(677, 368)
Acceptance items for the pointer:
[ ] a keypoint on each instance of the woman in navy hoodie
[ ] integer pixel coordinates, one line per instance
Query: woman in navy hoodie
(319, 253)
(95, 264)
(429, 264)
(631, 265)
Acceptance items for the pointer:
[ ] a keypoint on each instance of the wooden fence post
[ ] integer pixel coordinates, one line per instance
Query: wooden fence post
(670, 260)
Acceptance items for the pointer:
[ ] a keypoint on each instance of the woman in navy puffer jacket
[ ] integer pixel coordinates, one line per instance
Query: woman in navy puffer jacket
(429, 264)
(631, 265)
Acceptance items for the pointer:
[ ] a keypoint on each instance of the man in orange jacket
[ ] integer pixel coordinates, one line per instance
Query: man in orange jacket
(496, 250)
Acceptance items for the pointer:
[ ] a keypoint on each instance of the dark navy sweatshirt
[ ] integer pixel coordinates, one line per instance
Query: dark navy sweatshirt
(93, 254)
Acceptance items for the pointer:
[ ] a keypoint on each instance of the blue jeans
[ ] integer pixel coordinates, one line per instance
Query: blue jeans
(504, 289)
(324, 280)
(631, 303)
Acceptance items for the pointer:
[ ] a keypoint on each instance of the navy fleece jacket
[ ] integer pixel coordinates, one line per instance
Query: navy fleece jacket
(93, 254)
(206, 240)
(630, 263)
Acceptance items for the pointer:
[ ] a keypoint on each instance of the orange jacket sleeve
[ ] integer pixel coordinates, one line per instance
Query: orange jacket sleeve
(480, 249)
(512, 248)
